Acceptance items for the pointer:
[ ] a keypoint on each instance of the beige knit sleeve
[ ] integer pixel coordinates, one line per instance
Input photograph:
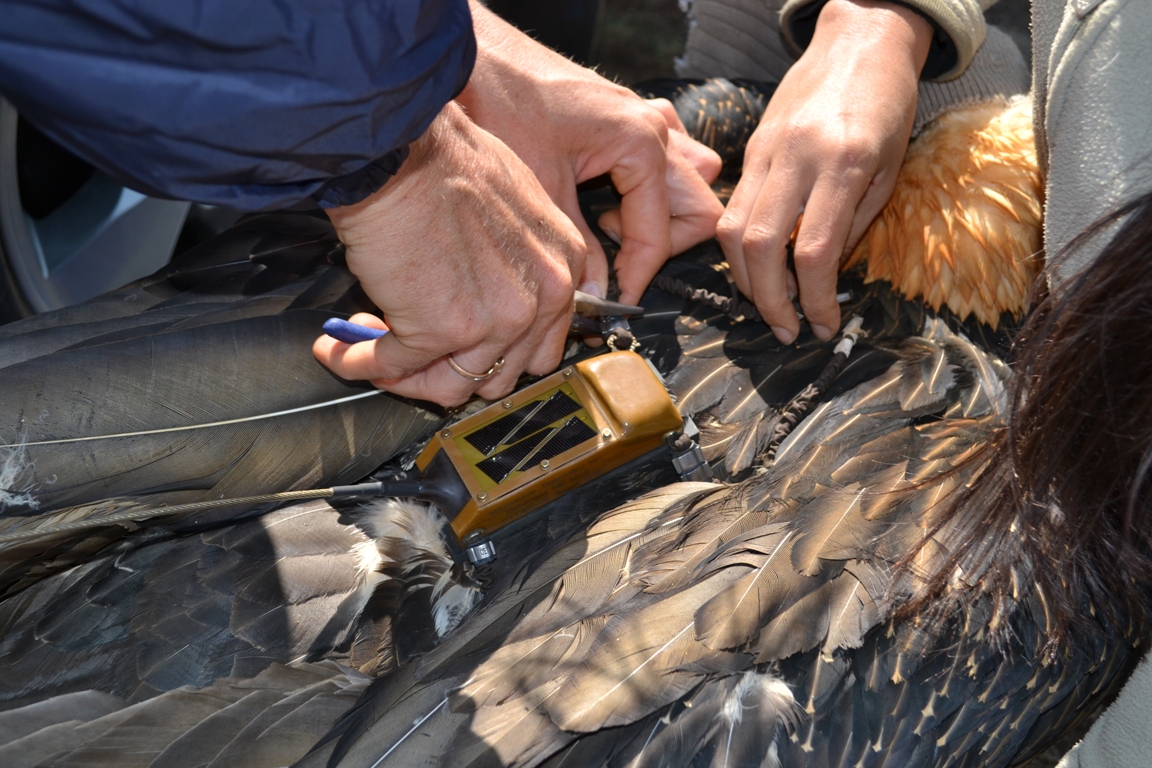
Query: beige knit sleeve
(959, 30)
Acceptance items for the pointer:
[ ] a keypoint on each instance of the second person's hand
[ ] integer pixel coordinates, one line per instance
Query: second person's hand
(829, 146)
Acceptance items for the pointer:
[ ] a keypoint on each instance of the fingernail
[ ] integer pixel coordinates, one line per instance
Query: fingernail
(614, 237)
(592, 288)
(821, 332)
(783, 334)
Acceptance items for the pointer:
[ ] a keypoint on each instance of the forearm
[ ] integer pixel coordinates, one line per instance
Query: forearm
(247, 106)
(958, 24)
(873, 33)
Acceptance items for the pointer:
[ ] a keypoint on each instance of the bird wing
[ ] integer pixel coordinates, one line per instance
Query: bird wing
(158, 612)
(264, 721)
(761, 619)
(209, 390)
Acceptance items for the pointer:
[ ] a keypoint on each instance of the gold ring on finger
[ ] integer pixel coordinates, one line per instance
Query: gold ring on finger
(495, 369)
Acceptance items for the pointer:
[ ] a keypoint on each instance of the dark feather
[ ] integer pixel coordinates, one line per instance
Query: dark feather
(808, 584)
(268, 720)
(150, 617)
(753, 623)
(134, 422)
(195, 383)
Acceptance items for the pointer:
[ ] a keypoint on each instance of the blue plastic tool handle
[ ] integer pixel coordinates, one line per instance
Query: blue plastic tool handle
(350, 333)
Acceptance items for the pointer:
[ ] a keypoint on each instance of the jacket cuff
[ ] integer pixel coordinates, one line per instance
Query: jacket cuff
(362, 184)
(959, 27)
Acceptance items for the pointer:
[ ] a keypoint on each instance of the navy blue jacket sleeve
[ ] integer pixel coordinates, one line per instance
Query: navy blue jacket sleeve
(255, 105)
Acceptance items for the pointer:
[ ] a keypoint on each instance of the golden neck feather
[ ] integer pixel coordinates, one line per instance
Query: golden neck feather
(963, 226)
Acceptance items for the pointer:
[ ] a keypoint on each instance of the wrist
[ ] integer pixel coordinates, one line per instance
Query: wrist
(493, 35)
(409, 178)
(895, 33)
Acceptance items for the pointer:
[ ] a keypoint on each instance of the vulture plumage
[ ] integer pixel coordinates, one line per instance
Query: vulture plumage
(835, 599)
(192, 384)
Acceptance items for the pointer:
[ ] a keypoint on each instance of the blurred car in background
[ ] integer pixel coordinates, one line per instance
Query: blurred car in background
(69, 232)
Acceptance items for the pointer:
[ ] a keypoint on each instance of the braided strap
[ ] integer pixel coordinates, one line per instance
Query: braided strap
(736, 308)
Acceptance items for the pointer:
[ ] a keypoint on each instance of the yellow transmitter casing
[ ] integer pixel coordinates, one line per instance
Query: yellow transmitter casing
(553, 436)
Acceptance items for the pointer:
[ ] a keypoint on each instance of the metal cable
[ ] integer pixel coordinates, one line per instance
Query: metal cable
(136, 514)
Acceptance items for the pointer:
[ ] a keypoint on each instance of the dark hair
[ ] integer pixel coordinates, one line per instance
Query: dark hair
(1068, 479)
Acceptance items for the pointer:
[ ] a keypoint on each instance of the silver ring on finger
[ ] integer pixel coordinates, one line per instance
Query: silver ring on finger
(495, 369)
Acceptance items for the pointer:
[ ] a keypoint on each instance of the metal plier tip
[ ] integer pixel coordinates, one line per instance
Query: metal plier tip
(592, 310)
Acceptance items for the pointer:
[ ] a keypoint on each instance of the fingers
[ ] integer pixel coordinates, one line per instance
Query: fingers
(443, 384)
(537, 351)
(470, 261)
(692, 213)
(837, 191)
(765, 243)
(386, 358)
(645, 233)
(334, 354)
(594, 281)
(820, 244)
(695, 209)
(757, 227)
(593, 276)
(702, 159)
(549, 349)
(875, 198)
(754, 233)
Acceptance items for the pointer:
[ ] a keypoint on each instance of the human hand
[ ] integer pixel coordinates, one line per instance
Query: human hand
(829, 146)
(467, 257)
(569, 125)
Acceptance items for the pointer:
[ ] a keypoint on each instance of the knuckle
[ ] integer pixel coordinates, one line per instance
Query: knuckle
(664, 106)
(519, 315)
(760, 242)
(655, 120)
(453, 336)
(642, 129)
(815, 251)
(574, 264)
(545, 361)
(758, 147)
(797, 136)
(497, 388)
(729, 231)
(856, 152)
(555, 290)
